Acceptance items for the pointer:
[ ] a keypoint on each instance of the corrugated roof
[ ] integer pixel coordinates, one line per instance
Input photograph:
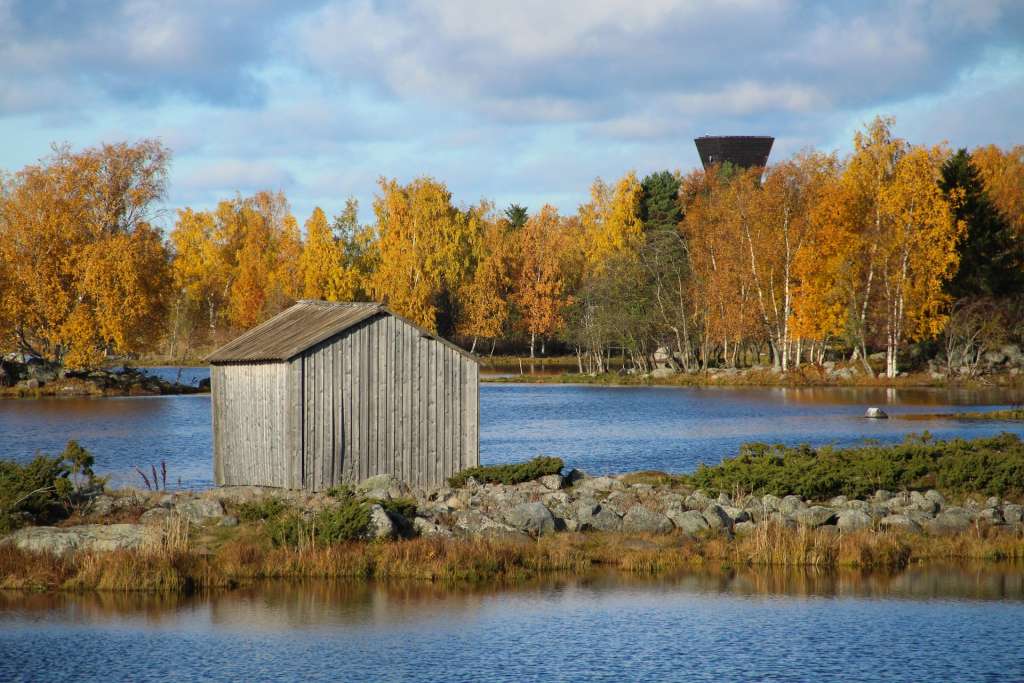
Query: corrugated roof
(303, 326)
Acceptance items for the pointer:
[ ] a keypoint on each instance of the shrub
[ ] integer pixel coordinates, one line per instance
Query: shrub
(46, 487)
(990, 466)
(261, 510)
(345, 522)
(406, 507)
(514, 473)
(288, 529)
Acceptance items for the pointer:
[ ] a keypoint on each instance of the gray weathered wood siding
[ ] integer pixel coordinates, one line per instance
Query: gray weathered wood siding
(250, 418)
(381, 398)
(377, 398)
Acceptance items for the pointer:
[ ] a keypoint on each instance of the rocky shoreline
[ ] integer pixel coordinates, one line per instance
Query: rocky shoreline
(33, 380)
(520, 513)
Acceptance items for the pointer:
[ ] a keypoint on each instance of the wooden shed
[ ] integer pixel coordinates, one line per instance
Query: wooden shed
(330, 393)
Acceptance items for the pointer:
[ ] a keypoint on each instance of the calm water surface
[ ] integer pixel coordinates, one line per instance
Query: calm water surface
(598, 429)
(941, 625)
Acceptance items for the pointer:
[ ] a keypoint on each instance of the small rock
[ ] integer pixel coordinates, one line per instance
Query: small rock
(552, 482)
(876, 414)
(382, 487)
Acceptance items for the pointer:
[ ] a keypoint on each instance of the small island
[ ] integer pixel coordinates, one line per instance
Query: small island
(871, 507)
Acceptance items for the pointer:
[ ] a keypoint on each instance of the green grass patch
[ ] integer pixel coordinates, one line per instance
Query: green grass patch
(989, 466)
(515, 473)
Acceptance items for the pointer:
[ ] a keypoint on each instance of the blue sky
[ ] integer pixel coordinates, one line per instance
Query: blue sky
(522, 101)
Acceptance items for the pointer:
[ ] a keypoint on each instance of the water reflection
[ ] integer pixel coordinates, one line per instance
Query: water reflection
(924, 624)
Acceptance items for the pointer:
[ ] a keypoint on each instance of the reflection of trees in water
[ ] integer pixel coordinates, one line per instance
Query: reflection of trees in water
(279, 605)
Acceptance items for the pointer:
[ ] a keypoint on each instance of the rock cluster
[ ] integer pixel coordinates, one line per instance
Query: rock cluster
(605, 503)
(520, 512)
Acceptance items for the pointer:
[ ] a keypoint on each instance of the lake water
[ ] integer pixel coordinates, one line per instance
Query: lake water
(922, 625)
(597, 429)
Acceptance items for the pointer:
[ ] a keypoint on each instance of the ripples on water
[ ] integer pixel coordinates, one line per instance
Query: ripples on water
(922, 625)
(598, 429)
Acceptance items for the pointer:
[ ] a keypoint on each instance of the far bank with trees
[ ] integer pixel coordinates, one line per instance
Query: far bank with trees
(895, 258)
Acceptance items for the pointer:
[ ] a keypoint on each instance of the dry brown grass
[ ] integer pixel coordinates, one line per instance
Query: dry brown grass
(176, 565)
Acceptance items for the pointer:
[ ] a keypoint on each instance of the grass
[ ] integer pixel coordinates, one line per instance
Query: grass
(509, 474)
(987, 466)
(178, 565)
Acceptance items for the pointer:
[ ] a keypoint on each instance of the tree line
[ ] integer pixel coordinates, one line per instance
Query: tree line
(816, 256)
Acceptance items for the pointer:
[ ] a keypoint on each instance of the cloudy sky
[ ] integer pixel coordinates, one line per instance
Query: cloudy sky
(522, 101)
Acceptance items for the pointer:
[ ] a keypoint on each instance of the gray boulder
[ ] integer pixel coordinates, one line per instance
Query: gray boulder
(1013, 513)
(716, 517)
(737, 515)
(532, 518)
(950, 521)
(815, 516)
(853, 520)
(597, 517)
(101, 506)
(697, 500)
(87, 537)
(689, 521)
(382, 487)
(771, 503)
(900, 523)
(424, 527)
(992, 516)
(874, 413)
(744, 528)
(639, 519)
(552, 482)
(200, 510)
(155, 516)
(791, 504)
(382, 527)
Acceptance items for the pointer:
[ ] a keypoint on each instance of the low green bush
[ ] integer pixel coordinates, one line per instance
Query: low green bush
(345, 522)
(262, 510)
(514, 473)
(46, 488)
(990, 466)
(406, 507)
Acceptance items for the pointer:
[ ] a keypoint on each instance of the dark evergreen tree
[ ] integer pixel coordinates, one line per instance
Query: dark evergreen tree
(991, 258)
(517, 215)
(659, 206)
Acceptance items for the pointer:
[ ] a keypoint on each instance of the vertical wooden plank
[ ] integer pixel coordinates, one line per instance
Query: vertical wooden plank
(367, 398)
(404, 411)
(346, 410)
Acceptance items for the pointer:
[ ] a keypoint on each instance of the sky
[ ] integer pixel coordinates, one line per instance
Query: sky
(524, 101)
